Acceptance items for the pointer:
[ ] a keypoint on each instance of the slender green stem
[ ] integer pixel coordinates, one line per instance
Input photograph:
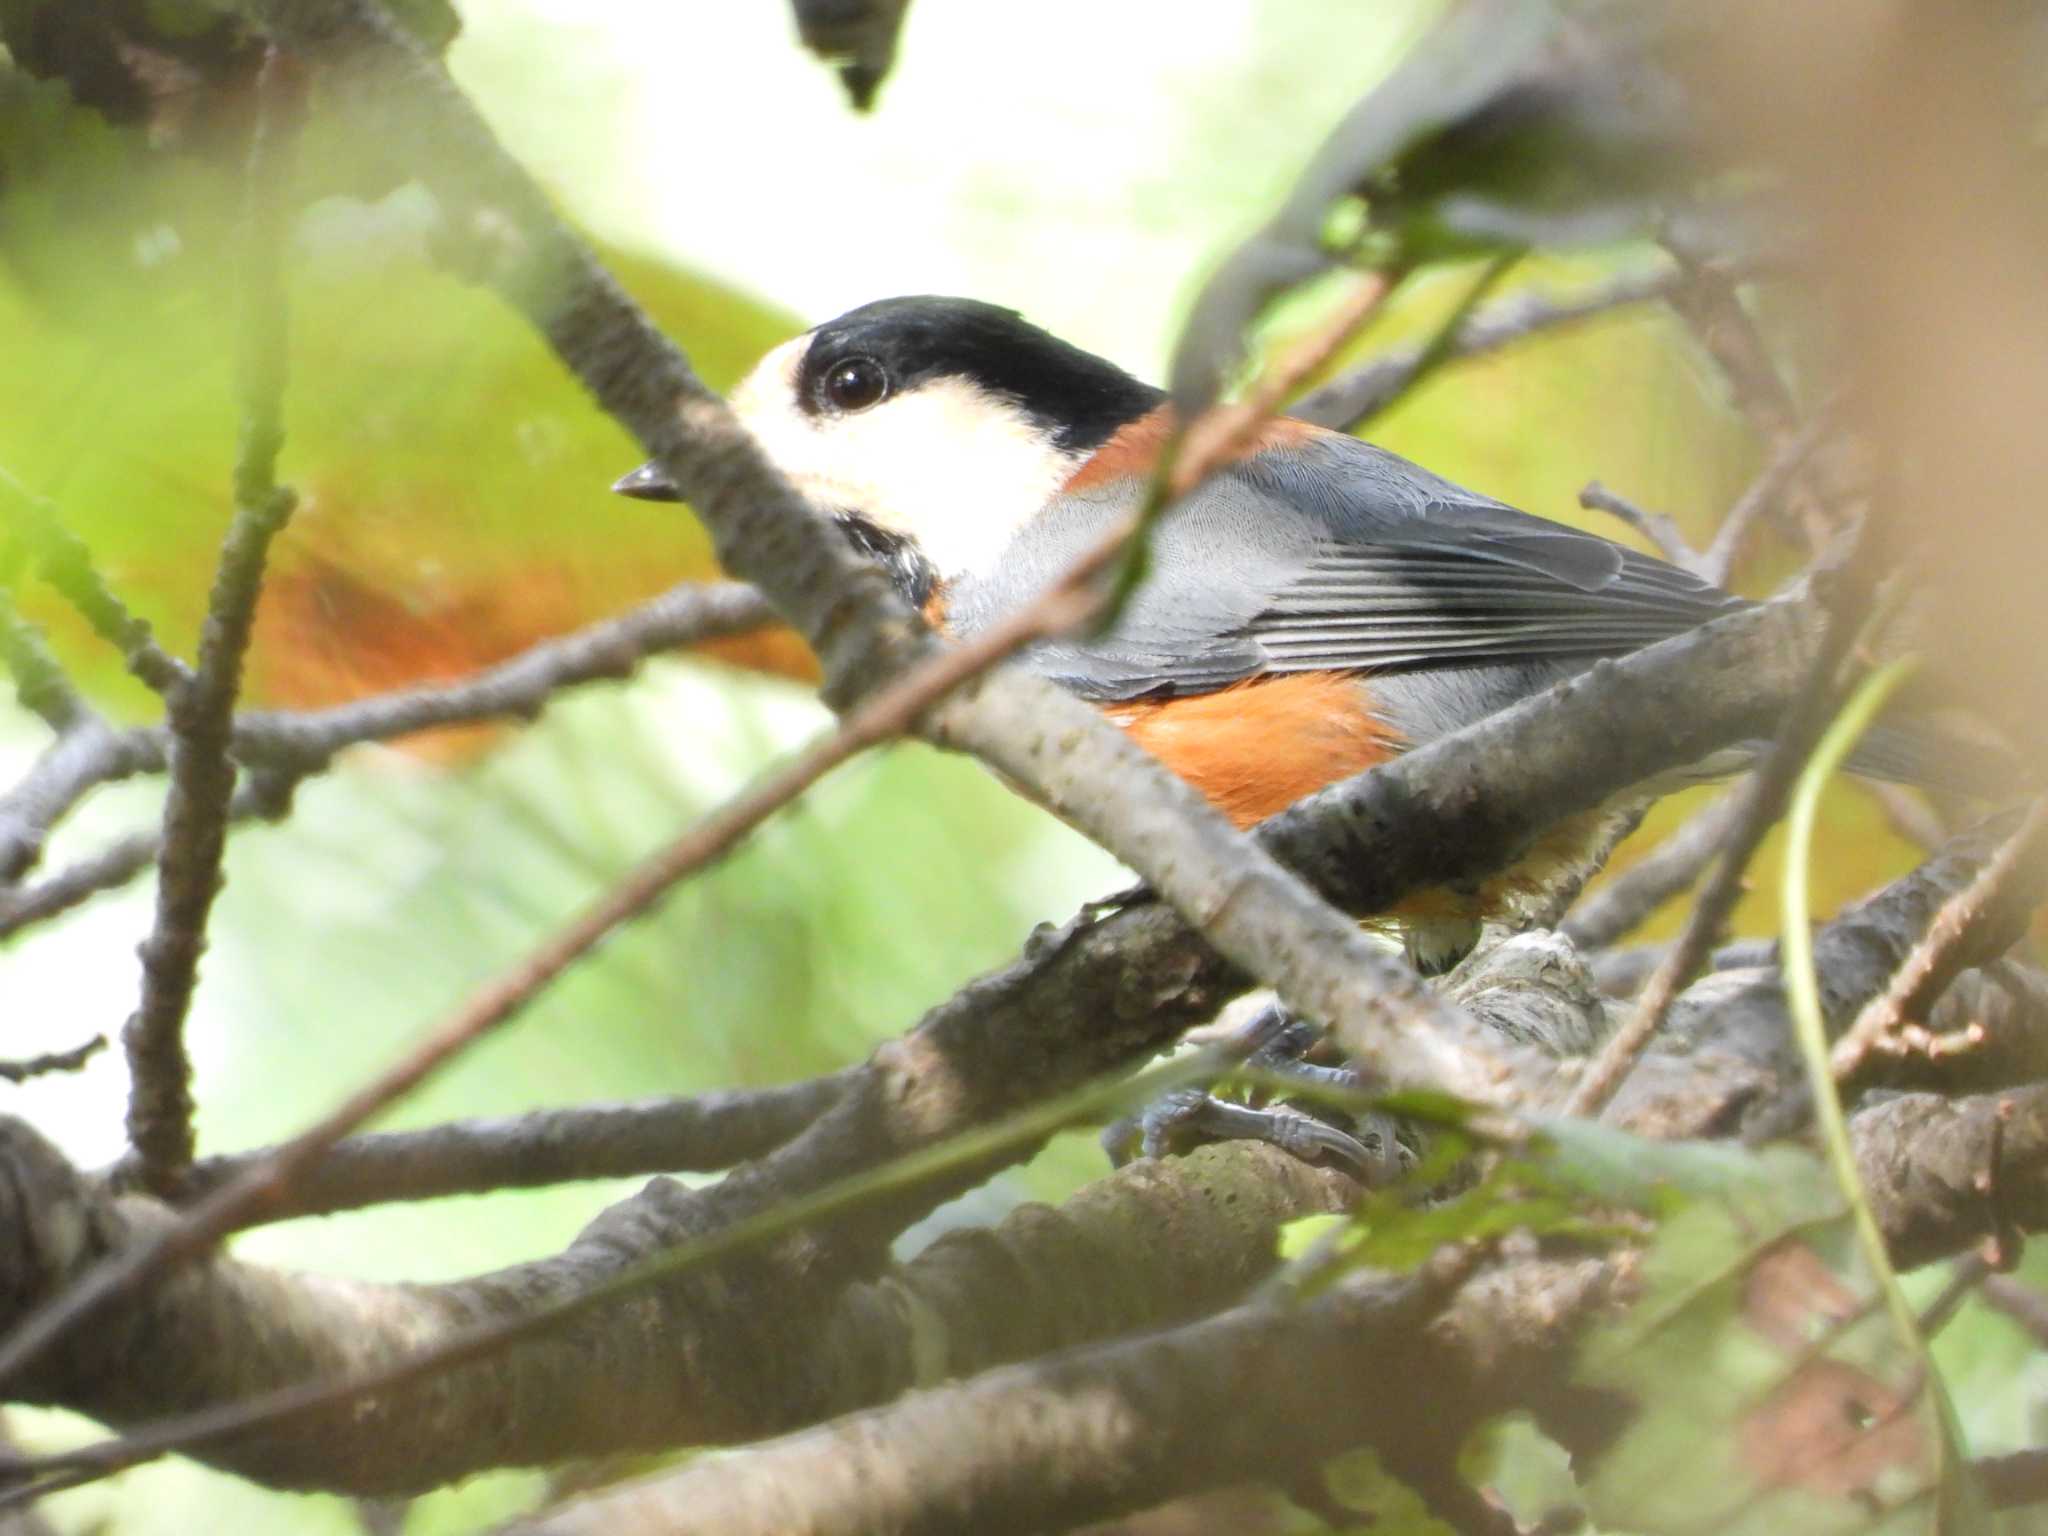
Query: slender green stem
(1809, 1027)
(1802, 985)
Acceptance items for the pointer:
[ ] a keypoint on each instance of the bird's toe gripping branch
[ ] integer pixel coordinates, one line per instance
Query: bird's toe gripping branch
(1274, 1045)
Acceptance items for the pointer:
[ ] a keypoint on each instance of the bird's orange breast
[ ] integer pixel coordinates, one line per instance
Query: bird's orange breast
(1256, 747)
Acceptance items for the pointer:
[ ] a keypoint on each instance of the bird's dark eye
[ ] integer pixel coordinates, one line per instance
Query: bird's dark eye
(855, 384)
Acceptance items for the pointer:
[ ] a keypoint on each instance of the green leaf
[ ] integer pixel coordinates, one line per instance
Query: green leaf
(1301, 1235)
(1771, 1391)
(1360, 1482)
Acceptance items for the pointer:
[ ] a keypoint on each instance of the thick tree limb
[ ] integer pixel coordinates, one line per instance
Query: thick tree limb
(1267, 1392)
(1942, 1173)
(777, 1375)
(1153, 1243)
(1740, 1012)
(1110, 1430)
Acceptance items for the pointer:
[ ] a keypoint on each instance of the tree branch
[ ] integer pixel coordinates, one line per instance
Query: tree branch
(73, 1060)
(264, 794)
(1614, 910)
(285, 747)
(1976, 924)
(63, 560)
(1351, 399)
(87, 755)
(201, 708)
(1106, 1431)
(39, 680)
(518, 688)
(1762, 798)
(774, 1294)
(1151, 1244)
(702, 1134)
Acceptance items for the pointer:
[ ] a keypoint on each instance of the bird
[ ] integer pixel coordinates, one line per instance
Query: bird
(1314, 607)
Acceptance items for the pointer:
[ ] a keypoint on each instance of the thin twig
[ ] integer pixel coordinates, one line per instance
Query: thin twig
(1217, 435)
(518, 688)
(1908, 814)
(700, 1134)
(264, 794)
(90, 754)
(1762, 800)
(1967, 1275)
(1348, 401)
(1949, 946)
(202, 710)
(2021, 1302)
(39, 680)
(1708, 302)
(73, 1060)
(1765, 494)
(1614, 910)
(1712, 308)
(293, 745)
(62, 559)
(21, 1522)
(1657, 527)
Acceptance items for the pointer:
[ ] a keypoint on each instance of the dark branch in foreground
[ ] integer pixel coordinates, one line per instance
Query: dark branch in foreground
(2013, 1481)
(1058, 1443)
(1152, 1244)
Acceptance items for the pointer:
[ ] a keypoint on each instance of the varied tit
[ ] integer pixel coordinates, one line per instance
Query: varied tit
(1312, 608)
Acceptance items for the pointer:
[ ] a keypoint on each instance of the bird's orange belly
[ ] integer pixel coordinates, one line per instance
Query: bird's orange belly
(1257, 747)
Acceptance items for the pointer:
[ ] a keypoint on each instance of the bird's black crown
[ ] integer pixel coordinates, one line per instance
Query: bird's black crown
(1077, 397)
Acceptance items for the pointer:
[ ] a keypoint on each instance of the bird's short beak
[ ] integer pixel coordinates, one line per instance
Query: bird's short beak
(648, 483)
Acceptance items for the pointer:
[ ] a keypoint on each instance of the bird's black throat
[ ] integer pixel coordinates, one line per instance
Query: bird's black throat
(909, 570)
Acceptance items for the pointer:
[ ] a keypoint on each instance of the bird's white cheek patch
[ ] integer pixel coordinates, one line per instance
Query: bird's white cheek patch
(951, 466)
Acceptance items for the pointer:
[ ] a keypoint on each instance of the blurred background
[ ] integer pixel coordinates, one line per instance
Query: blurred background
(1078, 161)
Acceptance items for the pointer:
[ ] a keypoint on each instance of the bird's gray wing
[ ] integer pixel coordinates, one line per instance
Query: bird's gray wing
(1327, 554)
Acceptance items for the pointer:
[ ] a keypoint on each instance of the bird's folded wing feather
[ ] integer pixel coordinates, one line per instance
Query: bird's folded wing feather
(1332, 555)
